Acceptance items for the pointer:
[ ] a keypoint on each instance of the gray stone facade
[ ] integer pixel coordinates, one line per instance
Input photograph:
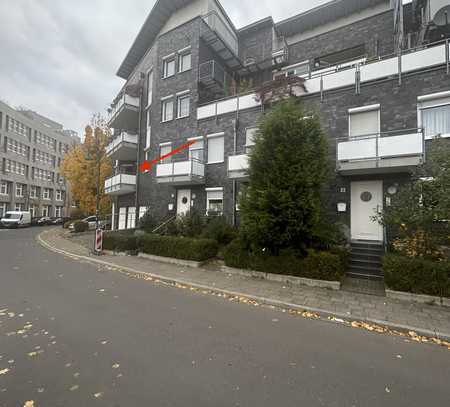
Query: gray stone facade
(398, 102)
(31, 150)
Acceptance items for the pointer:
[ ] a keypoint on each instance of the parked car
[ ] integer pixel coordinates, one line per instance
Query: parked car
(34, 221)
(57, 221)
(16, 219)
(91, 221)
(44, 221)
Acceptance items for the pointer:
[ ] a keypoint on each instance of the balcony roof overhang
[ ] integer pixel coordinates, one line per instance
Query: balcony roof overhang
(323, 14)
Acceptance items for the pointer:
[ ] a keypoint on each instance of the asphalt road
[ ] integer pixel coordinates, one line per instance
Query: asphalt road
(74, 334)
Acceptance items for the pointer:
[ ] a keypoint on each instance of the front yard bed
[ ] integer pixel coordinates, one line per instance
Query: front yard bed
(318, 265)
(417, 276)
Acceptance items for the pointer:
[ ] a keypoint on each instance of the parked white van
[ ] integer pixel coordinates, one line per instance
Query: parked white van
(16, 219)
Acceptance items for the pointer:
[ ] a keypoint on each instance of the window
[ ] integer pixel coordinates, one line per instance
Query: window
(301, 69)
(33, 192)
(59, 195)
(183, 106)
(14, 126)
(214, 201)
(364, 121)
(3, 209)
(196, 150)
(46, 210)
(131, 220)
(349, 54)
(149, 88)
(169, 66)
(250, 138)
(58, 211)
(149, 130)
(33, 211)
(434, 114)
(215, 148)
(19, 207)
(163, 150)
(15, 147)
(184, 61)
(46, 193)
(167, 110)
(3, 188)
(15, 167)
(19, 190)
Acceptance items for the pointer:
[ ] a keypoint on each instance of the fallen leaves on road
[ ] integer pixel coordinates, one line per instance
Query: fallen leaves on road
(4, 371)
(74, 387)
(98, 395)
(115, 366)
(29, 403)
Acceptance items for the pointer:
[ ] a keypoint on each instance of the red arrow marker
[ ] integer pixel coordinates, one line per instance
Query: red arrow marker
(147, 166)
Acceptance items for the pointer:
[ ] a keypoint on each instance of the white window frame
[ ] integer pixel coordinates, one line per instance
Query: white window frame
(167, 60)
(211, 137)
(250, 133)
(19, 190)
(19, 207)
(164, 111)
(181, 55)
(430, 101)
(162, 146)
(149, 87)
(33, 191)
(4, 188)
(148, 134)
(180, 98)
(363, 109)
(291, 70)
(45, 210)
(46, 194)
(58, 211)
(212, 194)
(199, 145)
(59, 195)
(3, 208)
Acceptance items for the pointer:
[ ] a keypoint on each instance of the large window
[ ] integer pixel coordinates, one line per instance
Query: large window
(58, 211)
(45, 210)
(163, 150)
(19, 207)
(33, 210)
(14, 126)
(59, 195)
(196, 150)
(46, 193)
(15, 167)
(167, 110)
(436, 121)
(184, 61)
(19, 190)
(183, 106)
(169, 66)
(3, 209)
(364, 121)
(148, 134)
(250, 134)
(34, 193)
(3, 188)
(216, 148)
(16, 147)
(214, 201)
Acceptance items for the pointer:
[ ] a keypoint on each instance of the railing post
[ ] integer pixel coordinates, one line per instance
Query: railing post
(321, 88)
(400, 67)
(447, 56)
(377, 150)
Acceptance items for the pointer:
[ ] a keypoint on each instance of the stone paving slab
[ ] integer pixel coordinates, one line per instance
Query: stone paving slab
(425, 319)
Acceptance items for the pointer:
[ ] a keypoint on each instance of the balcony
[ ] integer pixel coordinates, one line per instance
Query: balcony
(120, 184)
(123, 147)
(124, 114)
(238, 166)
(189, 172)
(397, 151)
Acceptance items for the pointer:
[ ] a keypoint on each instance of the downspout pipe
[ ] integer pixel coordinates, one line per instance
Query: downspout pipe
(136, 200)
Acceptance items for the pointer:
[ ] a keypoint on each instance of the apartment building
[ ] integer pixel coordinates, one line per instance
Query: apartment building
(31, 150)
(375, 71)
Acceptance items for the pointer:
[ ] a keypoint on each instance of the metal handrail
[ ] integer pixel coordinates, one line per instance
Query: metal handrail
(379, 134)
(164, 224)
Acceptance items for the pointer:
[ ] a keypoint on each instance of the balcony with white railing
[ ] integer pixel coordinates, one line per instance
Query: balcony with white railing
(124, 113)
(237, 166)
(350, 73)
(395, 151)
(123, 147)
(188, 172)
(120, 184)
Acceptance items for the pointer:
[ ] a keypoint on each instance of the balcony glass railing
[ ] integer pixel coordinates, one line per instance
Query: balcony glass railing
(382, 150)
(123, 139)
(125, 100)
(190, 169)
(120, 184)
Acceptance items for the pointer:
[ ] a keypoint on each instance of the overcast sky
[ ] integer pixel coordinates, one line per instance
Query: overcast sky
(59, 57)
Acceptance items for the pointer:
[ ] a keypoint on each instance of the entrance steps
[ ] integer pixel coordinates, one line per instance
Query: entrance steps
(365, 259)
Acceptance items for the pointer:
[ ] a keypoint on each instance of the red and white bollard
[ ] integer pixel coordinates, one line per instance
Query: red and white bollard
(98, 241)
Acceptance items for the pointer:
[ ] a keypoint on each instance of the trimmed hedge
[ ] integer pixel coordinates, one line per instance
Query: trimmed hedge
(320, 265)
(121, 241)
(417, 275)
(178, 247)
(80, 226)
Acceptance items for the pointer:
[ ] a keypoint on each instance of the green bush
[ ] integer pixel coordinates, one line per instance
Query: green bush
(416, 275)
(190, 225)
(80, 226)
(321, 265)
(67, 224)
(218, 229)
(147, 223)
(178, 247)
(122, 241)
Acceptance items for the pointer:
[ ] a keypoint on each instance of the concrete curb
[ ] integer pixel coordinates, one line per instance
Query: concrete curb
(279, 278)
(262, 300)
(171, 260)
(420, 298)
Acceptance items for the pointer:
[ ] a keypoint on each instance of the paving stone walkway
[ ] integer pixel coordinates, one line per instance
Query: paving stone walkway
(425, 319)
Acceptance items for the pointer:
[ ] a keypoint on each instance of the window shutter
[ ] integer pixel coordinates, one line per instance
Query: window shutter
(364, 123)
(215, 149)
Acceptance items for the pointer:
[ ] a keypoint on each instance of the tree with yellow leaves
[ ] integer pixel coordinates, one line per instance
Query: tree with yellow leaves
(86, 166)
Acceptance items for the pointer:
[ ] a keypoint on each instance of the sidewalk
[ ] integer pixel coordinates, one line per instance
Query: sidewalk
(426, 320)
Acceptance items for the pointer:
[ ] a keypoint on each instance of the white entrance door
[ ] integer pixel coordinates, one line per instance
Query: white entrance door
(122, 218)
(366, 202)
(183, 201)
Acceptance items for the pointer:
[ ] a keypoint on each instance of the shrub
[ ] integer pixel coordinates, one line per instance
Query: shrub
(67, 224)
(80, 226)
(120, 241)
(147, 223)
(417, 275)
(218, 229)
(190, 225)
(178, 247)
(321, 265)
